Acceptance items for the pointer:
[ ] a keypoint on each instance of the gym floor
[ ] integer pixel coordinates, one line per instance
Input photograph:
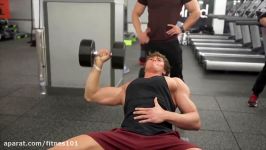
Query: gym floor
(221, 97)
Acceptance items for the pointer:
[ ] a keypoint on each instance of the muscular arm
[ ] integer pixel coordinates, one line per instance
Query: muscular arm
(136, 13)
(105, 95)
(189, 117)
(194, 14)
(263, 21)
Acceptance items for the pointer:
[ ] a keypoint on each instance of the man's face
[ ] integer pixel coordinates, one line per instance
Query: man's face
(155, 64)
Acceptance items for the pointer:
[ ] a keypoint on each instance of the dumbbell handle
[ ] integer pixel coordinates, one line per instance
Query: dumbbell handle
(95, 53)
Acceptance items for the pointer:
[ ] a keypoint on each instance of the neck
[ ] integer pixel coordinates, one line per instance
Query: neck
(151, 74)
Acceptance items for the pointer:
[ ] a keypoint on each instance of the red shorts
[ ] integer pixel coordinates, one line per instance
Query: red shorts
(121, 139)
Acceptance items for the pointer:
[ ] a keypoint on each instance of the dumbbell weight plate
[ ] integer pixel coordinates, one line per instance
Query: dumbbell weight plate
(86, 49)
(118, 55)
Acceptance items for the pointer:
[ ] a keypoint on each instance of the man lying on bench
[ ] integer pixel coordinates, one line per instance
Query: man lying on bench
(149, 109)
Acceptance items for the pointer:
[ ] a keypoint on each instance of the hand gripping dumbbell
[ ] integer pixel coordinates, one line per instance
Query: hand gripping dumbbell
(87, 54)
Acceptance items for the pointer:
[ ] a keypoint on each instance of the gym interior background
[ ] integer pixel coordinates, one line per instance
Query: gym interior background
(41, 82)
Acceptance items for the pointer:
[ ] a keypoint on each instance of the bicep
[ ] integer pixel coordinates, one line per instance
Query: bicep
(192, 6)
(182, 97)
(109, 96)
(138, 9)
(184, 103)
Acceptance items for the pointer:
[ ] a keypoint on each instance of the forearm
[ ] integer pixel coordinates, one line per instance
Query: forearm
(92, 83)
(188, 121)
(136, 23)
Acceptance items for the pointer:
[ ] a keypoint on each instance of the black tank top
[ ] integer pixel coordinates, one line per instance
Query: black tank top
(141, 93)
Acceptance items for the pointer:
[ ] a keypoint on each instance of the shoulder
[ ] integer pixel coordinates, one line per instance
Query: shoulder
(173, 80)
(175, 83)
(125, 85)
(262, 16)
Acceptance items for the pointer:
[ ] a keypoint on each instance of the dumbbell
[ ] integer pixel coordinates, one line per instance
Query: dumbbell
(87, 54)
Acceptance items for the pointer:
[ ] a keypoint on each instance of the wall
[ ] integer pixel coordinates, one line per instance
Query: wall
(20, 11)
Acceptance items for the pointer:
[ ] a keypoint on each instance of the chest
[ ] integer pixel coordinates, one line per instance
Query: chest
(168, 4)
